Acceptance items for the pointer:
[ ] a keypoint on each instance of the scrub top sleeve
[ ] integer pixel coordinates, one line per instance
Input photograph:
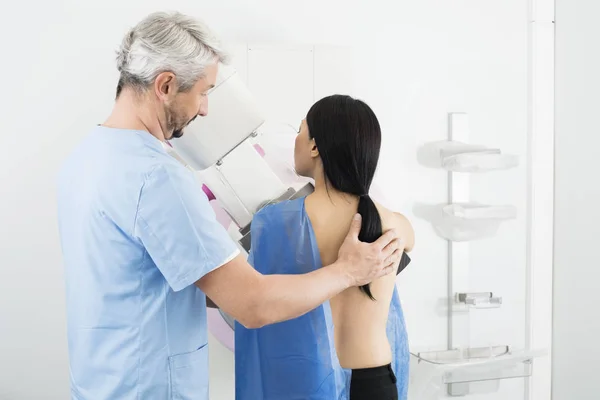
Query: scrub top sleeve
(178, 228)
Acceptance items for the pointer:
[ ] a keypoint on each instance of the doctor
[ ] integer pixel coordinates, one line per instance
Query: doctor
(142, 248)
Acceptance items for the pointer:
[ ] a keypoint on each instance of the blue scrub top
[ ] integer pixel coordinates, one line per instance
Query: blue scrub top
(136, 233)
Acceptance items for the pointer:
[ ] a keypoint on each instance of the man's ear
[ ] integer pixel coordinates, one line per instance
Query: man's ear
(165, 86)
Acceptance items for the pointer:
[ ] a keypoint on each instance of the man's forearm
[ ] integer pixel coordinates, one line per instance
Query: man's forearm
(284, 297)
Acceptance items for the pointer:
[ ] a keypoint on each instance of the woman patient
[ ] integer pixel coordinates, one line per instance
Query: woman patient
(355, 346)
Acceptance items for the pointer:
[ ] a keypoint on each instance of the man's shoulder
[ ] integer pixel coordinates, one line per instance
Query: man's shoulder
(168, 170)
(117, 160)
(116, 146)
(139, 153)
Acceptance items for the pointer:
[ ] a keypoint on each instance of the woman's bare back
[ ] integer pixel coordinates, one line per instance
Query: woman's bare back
(359, 322)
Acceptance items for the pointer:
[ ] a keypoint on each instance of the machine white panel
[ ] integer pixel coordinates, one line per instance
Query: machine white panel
(234, 116)
(238, 59)
(250, 177)
(282, 79)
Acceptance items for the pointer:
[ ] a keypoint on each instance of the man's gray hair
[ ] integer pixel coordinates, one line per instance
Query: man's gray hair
(170, 42)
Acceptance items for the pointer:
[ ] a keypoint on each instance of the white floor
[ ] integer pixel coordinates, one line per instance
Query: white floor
(222, 383)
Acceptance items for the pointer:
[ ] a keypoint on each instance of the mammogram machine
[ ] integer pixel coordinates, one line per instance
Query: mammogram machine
(240, 164)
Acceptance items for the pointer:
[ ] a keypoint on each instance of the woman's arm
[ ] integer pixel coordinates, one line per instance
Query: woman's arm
(405, 231)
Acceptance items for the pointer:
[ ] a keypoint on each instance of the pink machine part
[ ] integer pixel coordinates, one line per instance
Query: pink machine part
(208, 193)
(216, 324)
(219, 329)
(259, 150)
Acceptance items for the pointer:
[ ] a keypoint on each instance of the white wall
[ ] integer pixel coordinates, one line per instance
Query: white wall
(416, 62)
(576, 333)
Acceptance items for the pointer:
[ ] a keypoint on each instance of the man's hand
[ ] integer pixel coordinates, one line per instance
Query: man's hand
(365, 262)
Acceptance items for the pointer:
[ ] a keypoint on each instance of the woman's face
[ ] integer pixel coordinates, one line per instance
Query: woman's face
(305, 152)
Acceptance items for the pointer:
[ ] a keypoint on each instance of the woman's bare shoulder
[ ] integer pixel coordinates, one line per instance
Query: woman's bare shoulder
(395, 220)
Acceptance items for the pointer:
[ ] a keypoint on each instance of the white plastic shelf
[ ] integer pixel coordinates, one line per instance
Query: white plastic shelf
(463, 369)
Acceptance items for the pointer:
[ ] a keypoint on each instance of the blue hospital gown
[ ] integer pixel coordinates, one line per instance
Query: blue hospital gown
(296, 359)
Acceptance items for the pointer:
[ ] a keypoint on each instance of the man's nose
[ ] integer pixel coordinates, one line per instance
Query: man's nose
(203, 111)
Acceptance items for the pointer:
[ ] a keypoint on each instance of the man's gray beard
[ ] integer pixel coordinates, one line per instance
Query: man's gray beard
(177, 133)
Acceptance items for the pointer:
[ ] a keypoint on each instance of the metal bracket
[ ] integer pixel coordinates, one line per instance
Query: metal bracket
(479, 300)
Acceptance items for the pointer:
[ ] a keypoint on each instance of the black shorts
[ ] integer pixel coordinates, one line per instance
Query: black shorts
(378, 383)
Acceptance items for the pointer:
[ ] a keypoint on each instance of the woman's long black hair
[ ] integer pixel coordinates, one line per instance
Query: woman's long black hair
(348, 137)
